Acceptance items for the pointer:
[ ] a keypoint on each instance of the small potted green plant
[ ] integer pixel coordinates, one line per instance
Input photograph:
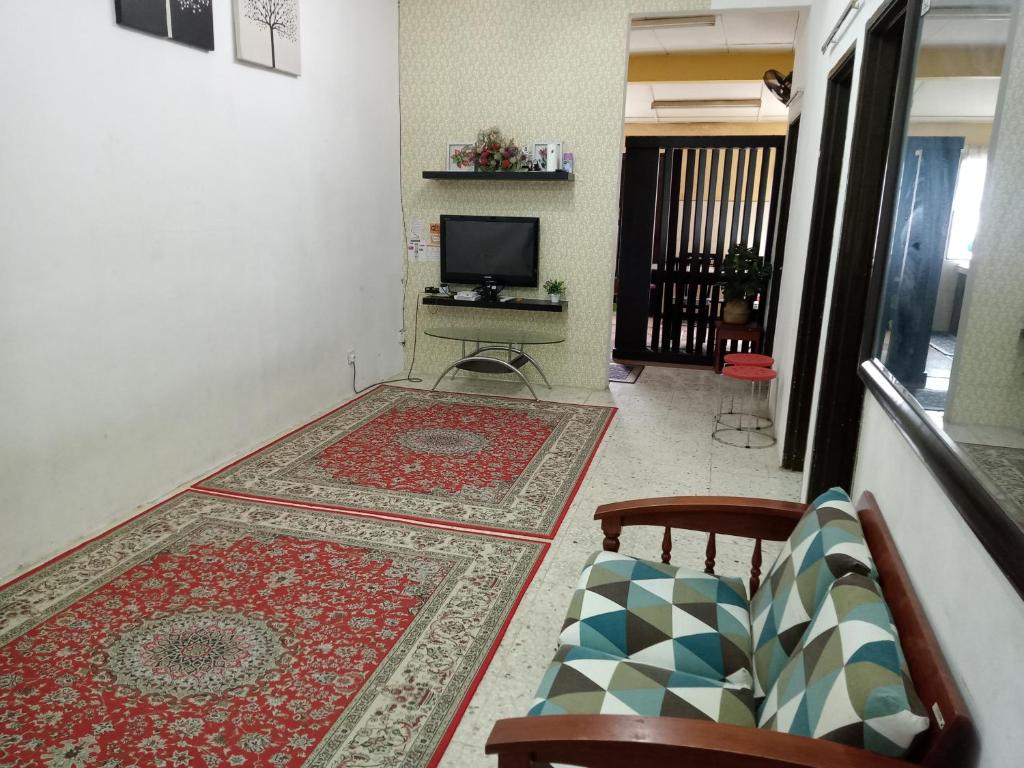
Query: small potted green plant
(744, 276)
(555, 290)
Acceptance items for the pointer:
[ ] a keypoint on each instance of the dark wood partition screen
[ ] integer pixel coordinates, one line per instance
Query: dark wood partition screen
(685, 202)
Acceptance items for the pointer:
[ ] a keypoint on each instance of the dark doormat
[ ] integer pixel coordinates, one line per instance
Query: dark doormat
(624, 374)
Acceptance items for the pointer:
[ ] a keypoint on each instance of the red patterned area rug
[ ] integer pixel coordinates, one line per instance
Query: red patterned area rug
(224, 632)
(484, 462)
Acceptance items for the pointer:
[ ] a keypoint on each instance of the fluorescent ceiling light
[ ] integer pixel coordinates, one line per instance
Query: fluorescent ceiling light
(670, 22)
(974, 12)
(703, 103)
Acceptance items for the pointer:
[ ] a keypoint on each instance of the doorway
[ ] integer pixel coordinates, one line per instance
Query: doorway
(686, 202)
(706, 116)
(819, 256)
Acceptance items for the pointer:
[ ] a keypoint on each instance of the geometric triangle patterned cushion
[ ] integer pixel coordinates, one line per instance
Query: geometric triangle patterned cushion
(848, 681)
(826, 544)
(582, 681)
(661, 615)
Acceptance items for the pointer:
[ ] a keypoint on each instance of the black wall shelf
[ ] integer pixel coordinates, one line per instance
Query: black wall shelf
(500, 175)
(528, 305)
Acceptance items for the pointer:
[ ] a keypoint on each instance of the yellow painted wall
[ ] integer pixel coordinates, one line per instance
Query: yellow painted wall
(704, 67)
(975, 134)
(960, 61)
(458, 77)
(706, 129)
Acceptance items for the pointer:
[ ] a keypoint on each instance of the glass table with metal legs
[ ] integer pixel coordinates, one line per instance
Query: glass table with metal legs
(495, 350)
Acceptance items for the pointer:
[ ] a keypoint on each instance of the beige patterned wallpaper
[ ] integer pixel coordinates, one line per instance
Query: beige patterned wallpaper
(987, 386)
(539, 71)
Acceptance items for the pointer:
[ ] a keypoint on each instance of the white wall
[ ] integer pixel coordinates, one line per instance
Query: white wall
(977, 615)
(810, 77)
(188, 248)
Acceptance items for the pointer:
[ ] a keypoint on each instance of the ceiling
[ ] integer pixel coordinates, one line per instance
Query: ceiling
(971, 99)
(968, 42)
(640, 95)
(968, 22)
(952, 31)
(955, 99)
(733, 31)
(964, 32)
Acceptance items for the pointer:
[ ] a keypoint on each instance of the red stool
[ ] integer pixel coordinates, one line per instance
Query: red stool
(723, 429)
(747, 358)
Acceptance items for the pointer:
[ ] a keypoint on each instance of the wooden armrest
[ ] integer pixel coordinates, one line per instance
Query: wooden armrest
(613, 741)
(729, 515)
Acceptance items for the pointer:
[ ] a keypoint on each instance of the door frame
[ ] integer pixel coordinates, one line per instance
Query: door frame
(838, 105)
(781, 234)
(641, 184)
(883, 103)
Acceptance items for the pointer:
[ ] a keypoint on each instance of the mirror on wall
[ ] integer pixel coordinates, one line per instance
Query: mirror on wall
(951, 318)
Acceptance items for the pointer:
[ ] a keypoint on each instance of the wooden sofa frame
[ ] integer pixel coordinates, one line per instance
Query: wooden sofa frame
(615, 741)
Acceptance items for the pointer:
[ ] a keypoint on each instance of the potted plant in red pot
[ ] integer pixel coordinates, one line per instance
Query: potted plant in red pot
(744, 275)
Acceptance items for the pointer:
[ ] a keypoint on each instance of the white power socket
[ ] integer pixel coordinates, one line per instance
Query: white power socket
(351, 357)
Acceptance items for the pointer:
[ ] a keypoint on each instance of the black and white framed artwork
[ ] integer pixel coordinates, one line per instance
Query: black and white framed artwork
(186, 21)
(267, 33)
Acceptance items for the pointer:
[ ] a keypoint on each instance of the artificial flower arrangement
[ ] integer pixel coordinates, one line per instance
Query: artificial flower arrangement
(493, 152)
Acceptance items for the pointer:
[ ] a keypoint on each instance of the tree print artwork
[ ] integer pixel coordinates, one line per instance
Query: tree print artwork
(267, 33)
(192, 22)
(280, 17)
(186, 21)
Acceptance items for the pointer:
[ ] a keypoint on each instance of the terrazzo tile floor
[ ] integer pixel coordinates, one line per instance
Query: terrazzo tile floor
(658, 445)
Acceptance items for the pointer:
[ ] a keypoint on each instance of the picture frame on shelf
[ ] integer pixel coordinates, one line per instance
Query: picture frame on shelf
(459, 156)
(547, 155)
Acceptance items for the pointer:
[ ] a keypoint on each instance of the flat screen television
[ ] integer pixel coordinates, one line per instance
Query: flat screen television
(495, 249)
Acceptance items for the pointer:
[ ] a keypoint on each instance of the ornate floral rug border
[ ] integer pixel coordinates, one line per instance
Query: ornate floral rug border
(461, 622)
(534, 505)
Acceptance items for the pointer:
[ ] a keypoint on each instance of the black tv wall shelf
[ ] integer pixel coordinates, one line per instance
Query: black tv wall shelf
(500, 175)
(529, 305)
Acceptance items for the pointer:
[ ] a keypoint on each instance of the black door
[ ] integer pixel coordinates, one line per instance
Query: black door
(819, 255)
(918, 252)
